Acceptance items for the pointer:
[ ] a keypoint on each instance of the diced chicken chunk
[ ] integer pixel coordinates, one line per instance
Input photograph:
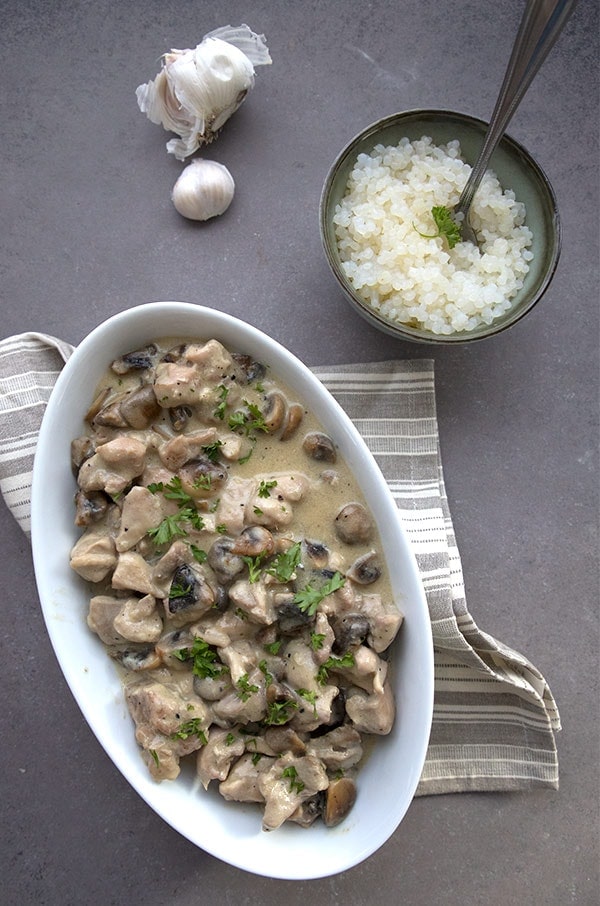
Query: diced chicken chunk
(384, 619)
(141, 512)
(215, 758)
(288, 783)
(138, 620)
(113, 466)
(243, 781)
(371, 713)
(179, 450)
(94, 555)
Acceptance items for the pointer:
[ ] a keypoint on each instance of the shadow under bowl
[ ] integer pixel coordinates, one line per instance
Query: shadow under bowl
(515, 169)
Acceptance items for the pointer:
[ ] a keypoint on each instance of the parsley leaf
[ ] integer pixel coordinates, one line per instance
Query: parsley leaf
(333, 663)
(278, 713)
(265, 486)
(284, 564)
(309, 598)
(291, 773)
(446, 226)
(190, 728)
(244, 688)
(204, 657)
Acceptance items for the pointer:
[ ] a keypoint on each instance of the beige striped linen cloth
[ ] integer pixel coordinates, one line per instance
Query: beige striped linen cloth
(494, 719)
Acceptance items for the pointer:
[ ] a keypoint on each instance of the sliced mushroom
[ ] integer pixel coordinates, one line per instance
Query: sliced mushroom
(353, 525)
(180, 415)
(319, 447)
(317, 552)
(137, 360)
(82, 448)
(274, 411)
(225, 564)
(366, 569)
(340, 797)
(139, 407)
(350, 629)
(251, 369)
(90, 507)
(307, 812)
(202, 477)
(254, 541)
(110, 416)
(142, 658)
(292, 419)
(97, 404)
(290, 617)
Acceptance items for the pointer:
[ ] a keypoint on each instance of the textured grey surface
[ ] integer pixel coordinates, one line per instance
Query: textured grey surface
(88, 229)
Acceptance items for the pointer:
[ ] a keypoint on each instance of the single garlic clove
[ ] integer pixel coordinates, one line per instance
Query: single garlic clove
(204, 190)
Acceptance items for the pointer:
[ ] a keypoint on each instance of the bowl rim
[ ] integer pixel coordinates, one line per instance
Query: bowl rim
(56, 593)
(405, 332)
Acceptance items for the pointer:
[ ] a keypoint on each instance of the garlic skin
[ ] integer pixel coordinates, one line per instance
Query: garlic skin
(196, 91)
(204, 189)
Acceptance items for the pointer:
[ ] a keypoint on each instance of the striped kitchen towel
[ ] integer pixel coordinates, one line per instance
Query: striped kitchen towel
(494, 718)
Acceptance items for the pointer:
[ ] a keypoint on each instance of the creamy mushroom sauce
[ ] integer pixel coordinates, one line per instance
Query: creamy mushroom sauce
(235, 578)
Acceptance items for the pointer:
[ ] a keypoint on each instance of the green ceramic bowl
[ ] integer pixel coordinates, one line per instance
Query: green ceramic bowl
(514, 167)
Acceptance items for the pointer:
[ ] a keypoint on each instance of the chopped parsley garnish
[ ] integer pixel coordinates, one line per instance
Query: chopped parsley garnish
(446, 226)
(264, 669)
(248, 422)
(200, 556)
(284, 564)
(334, 663)
(173, 526)
(203, 482)
(254, 567)
(256, 758)
(191, 727)
(309, 597)
(155, 757)
(310, 697)
(292, 774)
(273, 647)
(179, 591)
(212, 450)
(244, 688)
(278, 713)
(229, 739)
(265, 486)
(204, 656)
(316, 640)
(220, 410)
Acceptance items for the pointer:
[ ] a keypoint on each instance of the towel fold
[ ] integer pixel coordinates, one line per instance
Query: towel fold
(494, 717)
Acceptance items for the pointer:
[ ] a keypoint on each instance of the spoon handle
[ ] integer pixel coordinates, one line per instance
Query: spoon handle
(542, 22)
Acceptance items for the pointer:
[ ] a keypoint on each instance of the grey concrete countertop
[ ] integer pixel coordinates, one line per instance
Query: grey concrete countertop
(88, 229)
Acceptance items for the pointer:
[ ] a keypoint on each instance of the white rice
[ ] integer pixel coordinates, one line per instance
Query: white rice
(417, 281)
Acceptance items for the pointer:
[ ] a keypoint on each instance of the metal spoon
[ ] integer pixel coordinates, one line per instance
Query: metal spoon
(542, 22)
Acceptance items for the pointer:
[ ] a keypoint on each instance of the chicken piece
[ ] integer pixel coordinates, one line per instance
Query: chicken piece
(340, 749)
(101, 618)
(254, 600)
(243, 781)
(371, 713)
(165, 725)
(368, 671)
(133, 573)
(213, 359)
(324, 631)
(94, 555)
(113, 466)
(241, 657)
(138, 620)
(384, 619)
(181, 449)
(288, 783)
(141, 512)
(215, 758)
(233, 502)
(178, 384)
(223, 629)
(246, 703)
(301, 673)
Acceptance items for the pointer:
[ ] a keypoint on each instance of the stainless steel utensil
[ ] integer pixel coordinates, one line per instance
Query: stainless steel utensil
(541, 24)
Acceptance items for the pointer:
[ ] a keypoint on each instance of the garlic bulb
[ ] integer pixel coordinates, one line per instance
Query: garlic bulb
(204, 190)
(196, 91)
